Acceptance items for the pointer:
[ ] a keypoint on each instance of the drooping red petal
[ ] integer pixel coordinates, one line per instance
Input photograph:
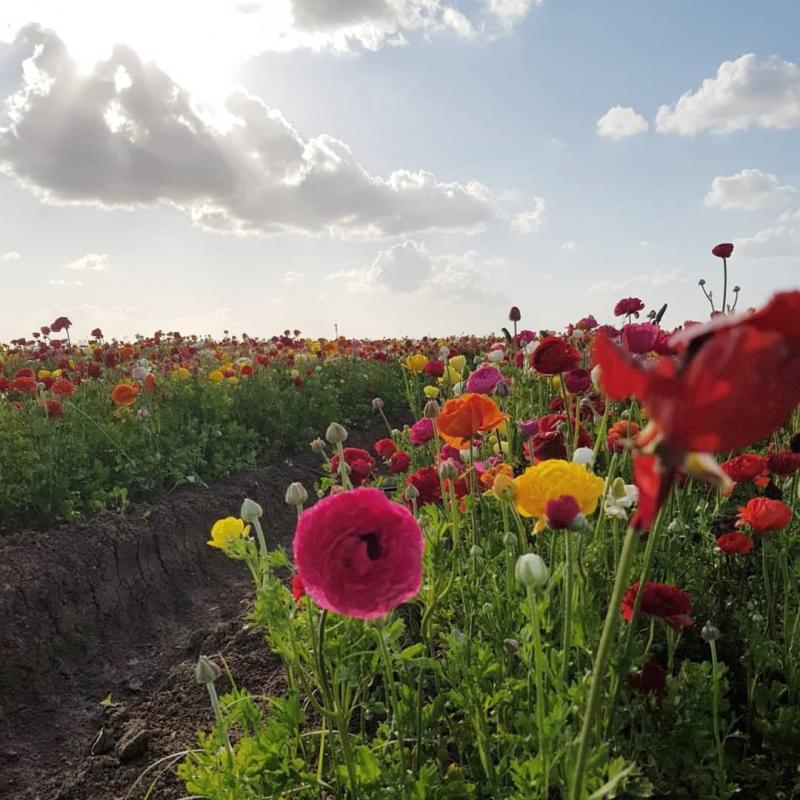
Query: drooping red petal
(619, 376)
(653, 486)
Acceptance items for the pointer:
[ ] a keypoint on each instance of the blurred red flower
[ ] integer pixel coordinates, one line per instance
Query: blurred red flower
(763, 515)
(661, 600)
(746, 467)
(400, 462)
(723, 250)
(554, 355)
(62, 388)
(627, 306)
(735, 543)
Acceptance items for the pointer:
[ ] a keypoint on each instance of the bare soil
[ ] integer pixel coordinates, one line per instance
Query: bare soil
(124, 605)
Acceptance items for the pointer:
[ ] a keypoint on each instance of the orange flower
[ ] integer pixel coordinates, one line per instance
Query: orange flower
(488, 476)
(149, 382)
(619, 432)
(125, 394)
(463, 417)
(764, 515)
(62, 388)
(127, 352)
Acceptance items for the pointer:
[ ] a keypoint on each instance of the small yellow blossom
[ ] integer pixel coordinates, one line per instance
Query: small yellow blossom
(215, 376)
(458, 363)
(227, 530)
(182, 374)
(416, 363)
(431, 392)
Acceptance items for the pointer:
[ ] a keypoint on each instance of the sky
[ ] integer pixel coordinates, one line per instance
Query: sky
(391, 167)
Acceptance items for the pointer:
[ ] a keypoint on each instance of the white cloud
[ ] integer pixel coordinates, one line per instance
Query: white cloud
(748, 91)
(291, 276)
(78, 137)
(91, 262)
(509, 12)
(571, 246)
(62, 282)
(530, 221)
(11, 255)
(748, 190)
(620, 122)
(657, 279)
(410, 268)
(773, 243)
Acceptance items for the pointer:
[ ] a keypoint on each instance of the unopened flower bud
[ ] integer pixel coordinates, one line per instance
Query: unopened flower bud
(737, 289)
(618, 488)
(701, 282)
(431, 410)
(476, 551)
(514, 315)
(510, 541)
(504, 488)
(251, 511)
(510, 646)
(411, 492)
(336, 433)
(584, 456)
(531, 571)
(448, 470)
(318, 446)
(206, 671)
(710, 632)
(377, 403)
(296, 494)
(501, 389)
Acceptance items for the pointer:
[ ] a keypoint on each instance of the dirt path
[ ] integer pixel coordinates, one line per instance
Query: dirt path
(124, 604)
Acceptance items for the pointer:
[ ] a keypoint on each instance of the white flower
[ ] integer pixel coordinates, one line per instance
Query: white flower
(458, 388)
(495, 356)
(617, 507)
(584, 456)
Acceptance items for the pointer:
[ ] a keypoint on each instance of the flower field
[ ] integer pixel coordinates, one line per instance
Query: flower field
(574, 573)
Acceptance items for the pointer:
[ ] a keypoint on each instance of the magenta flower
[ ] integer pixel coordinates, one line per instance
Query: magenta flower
(641, 337)
(562, 511)
(359, 554)
(484, 379)
(421, 431)
(528, 427)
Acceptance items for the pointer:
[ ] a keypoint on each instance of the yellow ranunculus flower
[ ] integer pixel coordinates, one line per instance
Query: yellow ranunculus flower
(416, 363)
(182, 374)
(44, 373)
(294, 373)
(550, 479)
(227, 530)
(555, 382)
(314, 347)
(458, 363)
(56, 373)
(450, 376)
(233, 380)
(431, 392)
(215, 376)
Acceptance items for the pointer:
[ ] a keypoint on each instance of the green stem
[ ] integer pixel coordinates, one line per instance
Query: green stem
(715, 687)
(600, 661)
(391, 690)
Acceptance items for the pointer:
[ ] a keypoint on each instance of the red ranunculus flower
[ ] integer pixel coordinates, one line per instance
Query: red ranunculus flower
(399, 462)
(24, 385)
(298, 590)
(562, 511)
(736, 381)
(358, 554)
(577, 381)
(659, 600)
(746, 467)
(421, 432)
(360, 462)
(628, 305)
(735, 543)
(650, 679)
(641, 337)
(426, 482)
(763, 515)
(723, 250)
(61, 324)
(385, 447)
(783, 462)
(619, 433)
(554, 355)
(54, 409)
(62, 388)
(434, 368)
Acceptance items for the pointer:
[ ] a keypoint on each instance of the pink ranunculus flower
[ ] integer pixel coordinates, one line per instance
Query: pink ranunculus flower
(641, 337)
(359, 554)
(484, 379)
(421, 431)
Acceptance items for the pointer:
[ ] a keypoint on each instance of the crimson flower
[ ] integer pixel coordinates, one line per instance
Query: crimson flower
(783, 462)
(735, 543)
(562, 511)
(641, 337)
(723, 250)
(54, 409)
(385, 447)
(764, 515)
(421, 431)
(399, 462)
(650, 679)
(746, 467)
(360, 462)
(577, 381)
(426, 482)
(434, 368)
(60, 324)
(661, 600)
(554, 355)
(358, 554)
(23, 384)
(62, 388)
(628, 306)
(298, 590)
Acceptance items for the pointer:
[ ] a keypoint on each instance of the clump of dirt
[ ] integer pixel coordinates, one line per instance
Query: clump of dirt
(124, 605)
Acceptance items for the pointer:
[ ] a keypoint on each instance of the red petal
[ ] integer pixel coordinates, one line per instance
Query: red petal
(619, 376)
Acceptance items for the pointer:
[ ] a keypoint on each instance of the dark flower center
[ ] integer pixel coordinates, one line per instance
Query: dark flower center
(374, 547)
